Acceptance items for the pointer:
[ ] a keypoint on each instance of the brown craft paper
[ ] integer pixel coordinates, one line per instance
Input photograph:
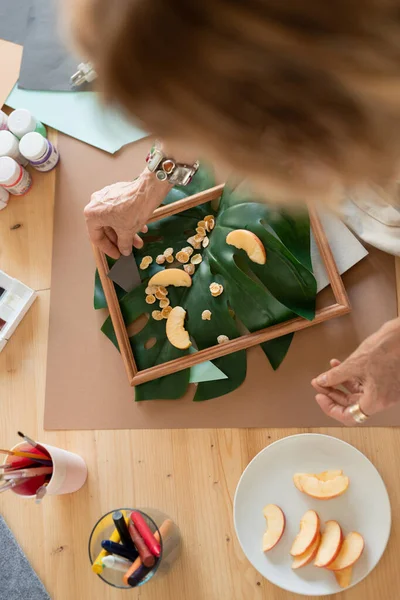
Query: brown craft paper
(86, 382)
(10, 62)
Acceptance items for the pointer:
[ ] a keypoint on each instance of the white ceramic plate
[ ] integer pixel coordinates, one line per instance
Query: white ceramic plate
(364, 507)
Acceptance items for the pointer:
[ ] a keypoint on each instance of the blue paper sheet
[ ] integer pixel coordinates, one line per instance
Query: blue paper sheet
(205, 371)
(80, 115)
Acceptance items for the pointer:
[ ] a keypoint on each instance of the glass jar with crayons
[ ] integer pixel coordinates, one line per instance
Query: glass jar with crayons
(129, 547)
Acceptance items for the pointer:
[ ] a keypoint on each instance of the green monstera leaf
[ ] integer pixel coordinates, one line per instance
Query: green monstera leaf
(255, 296)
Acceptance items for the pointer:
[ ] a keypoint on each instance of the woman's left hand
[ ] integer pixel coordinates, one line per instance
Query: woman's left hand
(118, 212)
(371, 377)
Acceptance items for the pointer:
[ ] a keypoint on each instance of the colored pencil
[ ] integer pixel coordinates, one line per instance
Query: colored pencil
(41, 458)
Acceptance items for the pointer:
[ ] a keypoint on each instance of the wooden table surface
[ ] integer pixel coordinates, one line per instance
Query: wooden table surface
(189, 474)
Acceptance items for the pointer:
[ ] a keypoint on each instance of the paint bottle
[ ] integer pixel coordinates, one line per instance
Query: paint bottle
(4, 198)
(41, 153)
(3, 120)
(9, 146)
(21, 122)
(13, 177)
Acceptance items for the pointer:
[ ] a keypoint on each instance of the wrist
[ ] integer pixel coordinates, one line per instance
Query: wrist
(155, 190)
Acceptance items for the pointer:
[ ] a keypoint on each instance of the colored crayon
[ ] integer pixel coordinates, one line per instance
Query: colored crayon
(119, 550)
(138, 575)
(147, 557)
(164, 530)
(146, 533)
(97, 566)
(116, 562)
(121, 526)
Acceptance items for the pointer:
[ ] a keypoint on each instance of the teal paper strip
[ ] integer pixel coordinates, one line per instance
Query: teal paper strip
(80, 115)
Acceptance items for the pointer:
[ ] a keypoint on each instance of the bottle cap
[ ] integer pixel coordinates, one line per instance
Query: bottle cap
(21, 121)
(8, 143)
(10, 170)
(33, 146)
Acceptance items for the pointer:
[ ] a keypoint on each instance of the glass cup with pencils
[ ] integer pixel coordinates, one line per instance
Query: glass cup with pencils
(129, 547)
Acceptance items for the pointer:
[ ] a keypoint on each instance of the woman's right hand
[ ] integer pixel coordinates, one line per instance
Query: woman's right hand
(371, 376)
(118, 212)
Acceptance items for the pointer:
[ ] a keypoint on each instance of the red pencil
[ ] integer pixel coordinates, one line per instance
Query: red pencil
(146, 533)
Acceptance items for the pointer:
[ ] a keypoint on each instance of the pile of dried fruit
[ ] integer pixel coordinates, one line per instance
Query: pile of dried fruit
(175, 331)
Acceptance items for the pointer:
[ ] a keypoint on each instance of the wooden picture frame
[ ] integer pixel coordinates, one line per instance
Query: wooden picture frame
(136, 377)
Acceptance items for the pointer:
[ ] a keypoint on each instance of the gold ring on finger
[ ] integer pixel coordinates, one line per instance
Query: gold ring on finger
(358, 415)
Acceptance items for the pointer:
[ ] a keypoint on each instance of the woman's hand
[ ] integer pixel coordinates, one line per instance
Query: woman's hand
(371, 376)
(119, 211)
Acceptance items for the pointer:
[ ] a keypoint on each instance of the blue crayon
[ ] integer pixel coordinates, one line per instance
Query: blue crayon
(119, 550)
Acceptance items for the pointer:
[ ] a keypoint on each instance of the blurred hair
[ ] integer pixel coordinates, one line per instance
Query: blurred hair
(296, 93)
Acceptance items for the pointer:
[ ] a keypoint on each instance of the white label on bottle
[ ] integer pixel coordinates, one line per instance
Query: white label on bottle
(22, 186)
(49, 161)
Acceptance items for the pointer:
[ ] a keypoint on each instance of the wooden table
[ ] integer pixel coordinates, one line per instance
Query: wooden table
(190, 475)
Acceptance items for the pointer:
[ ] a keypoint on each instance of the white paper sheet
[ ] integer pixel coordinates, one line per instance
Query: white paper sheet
(346, 248)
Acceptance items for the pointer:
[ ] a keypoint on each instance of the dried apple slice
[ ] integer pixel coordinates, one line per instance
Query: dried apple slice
(305, 558)
(275, 526)
(250, 243)
(330, 545)
(176, 277)
(323, 490)
(343, 577)
(309, 529)
(175, 328)
(350, 552)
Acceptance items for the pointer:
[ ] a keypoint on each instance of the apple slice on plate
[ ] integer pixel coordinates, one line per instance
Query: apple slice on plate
(324, 476)
(296, 480)
(309, 529)
(350, 552)
(323, 490)
(275, 526)
(343, 577)
(331, 543)
(328, 475)
(305, 558)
